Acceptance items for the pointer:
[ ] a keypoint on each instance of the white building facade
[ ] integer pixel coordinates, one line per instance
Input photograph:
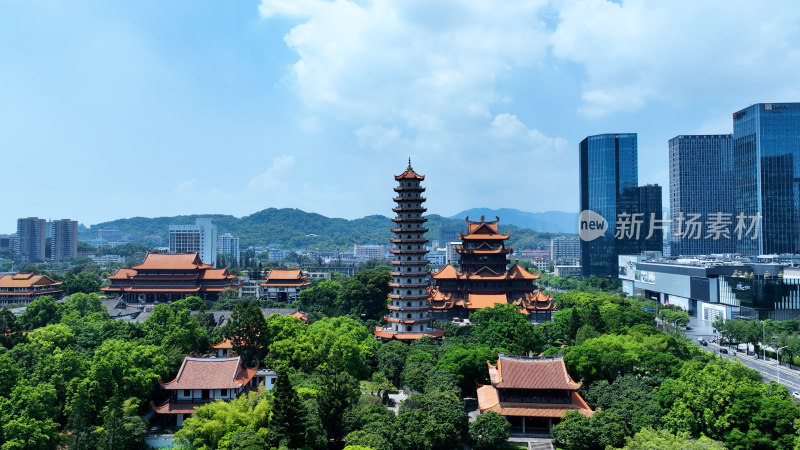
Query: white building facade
(199, 238)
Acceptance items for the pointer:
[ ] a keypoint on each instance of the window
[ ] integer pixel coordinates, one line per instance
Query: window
(187, 393)
(205, 394)
(223, 393)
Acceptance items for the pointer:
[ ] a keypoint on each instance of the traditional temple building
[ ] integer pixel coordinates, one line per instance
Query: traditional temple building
(203, 380)
(284, 285)
(166, 277)
(483, 280)
(533, 394)
(23, 288)
(409, 313)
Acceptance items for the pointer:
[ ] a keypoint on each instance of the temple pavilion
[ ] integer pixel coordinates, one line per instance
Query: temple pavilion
(533, 394)
(167, 277)
(483, 279)
(409, 313)
(23, 288)
(203, 380)
(284, 285)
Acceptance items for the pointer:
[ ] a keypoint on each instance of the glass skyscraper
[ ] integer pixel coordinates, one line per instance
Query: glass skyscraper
(766, 169)
(700, 182)
(609, 175)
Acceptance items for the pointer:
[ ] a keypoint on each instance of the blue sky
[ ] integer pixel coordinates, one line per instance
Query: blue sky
(152, 108)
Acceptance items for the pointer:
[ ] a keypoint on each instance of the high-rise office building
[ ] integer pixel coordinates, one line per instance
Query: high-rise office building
(65, 239)
(766, 170)
(31, 239)
(227, 244)
(609, 187)
(700, 190)
(449, 234)
(608, 178)
(199, 238)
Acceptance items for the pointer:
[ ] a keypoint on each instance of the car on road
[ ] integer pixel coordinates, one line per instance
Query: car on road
(796, 395)
(704, 343)
(723, 350)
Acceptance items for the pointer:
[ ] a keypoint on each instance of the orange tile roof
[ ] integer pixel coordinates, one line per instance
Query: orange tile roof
(299, 283)
(406, 336)
(488, 400)
(26, 280)
(211, 373)
(284, 274)
(518, 272)
(226, 343)
(181, 261)
(299, 315)
(479, 301)
(216, 274)
(447, 272)
(409, 174)
(176, 407)
(531, 373)
(122, 274)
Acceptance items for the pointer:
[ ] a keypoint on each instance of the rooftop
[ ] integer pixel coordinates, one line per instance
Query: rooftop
(211, 373)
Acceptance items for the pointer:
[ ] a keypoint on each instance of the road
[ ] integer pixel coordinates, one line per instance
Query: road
(768, 368)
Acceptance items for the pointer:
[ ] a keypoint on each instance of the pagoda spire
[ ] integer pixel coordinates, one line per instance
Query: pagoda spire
(409, 164)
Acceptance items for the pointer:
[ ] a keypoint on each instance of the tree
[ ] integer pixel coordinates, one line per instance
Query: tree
(247, 331)
(503, 327)
(468, 364)
(365, 294)
(435, 421)
(10, 329)
(288, 417)
(321, 298)
(650, 439)
(122, 427)
(489, 431)
(391, 360)
(339, 394)
(40, 312)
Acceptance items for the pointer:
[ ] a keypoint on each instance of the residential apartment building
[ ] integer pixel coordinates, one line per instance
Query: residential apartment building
(31, 234)
(65, 239)
(227, 244)
(200, 238)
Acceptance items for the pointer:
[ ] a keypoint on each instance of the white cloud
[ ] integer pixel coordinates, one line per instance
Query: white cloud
(376, 136)
(417, 62)
(678, 52)
(508, 127)
(272, 179)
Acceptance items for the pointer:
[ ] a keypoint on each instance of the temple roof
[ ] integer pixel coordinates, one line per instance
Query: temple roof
(479, 301)
(26, 280)
(225, 343)
(180, 261)
(409, 174)
(217, 274)
(285, 274)
(122, 274)
(211, 373)
(488, 400)
(531, 373)
(447, 272)
(517, 272)
(482, 230)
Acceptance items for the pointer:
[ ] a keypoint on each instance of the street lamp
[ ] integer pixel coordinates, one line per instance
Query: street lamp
(778, 367)
(763, 341)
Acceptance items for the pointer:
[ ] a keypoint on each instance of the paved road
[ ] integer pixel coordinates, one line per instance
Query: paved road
(768, 368)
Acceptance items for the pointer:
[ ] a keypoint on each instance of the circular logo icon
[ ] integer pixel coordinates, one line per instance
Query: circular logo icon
(591, 225)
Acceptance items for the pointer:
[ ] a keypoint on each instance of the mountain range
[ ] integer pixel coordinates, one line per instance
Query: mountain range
(548, 221)
(295, 229)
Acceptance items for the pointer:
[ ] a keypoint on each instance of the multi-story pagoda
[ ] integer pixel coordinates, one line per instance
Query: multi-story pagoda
(409, 313)
(483, 280)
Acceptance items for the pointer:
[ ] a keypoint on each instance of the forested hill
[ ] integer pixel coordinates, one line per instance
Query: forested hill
(296, 229)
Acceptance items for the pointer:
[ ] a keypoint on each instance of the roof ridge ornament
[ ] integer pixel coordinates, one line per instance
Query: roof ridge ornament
(409, 164)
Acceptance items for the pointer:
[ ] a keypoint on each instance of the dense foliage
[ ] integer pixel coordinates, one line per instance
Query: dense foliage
(294, 229)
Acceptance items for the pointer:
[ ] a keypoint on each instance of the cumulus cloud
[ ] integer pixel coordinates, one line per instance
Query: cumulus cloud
(272, 179)
(416, 62)
(677, 52)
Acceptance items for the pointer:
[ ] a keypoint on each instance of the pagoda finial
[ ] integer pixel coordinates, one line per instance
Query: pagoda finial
(483, 218)
(409, 163)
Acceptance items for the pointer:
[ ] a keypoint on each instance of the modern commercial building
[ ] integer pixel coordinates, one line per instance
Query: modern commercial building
(65, 239)
(700, 190)
(200, 238)
(229, 245)
(709, 287)
(449, 234)
(609, 187)
(30, 242)
(409, 315)
(565, 250)
(766, 168)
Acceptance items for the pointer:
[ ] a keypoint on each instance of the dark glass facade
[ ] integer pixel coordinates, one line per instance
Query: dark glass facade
(608, 186)
(700, 180)
(766, 162)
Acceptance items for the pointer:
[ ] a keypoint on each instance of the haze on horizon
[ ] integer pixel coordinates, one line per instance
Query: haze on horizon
(166, 108)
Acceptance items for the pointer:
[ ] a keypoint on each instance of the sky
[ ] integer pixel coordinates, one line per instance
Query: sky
(150, 108)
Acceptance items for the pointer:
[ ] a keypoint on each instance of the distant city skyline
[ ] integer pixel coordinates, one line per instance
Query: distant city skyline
(161, 109)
